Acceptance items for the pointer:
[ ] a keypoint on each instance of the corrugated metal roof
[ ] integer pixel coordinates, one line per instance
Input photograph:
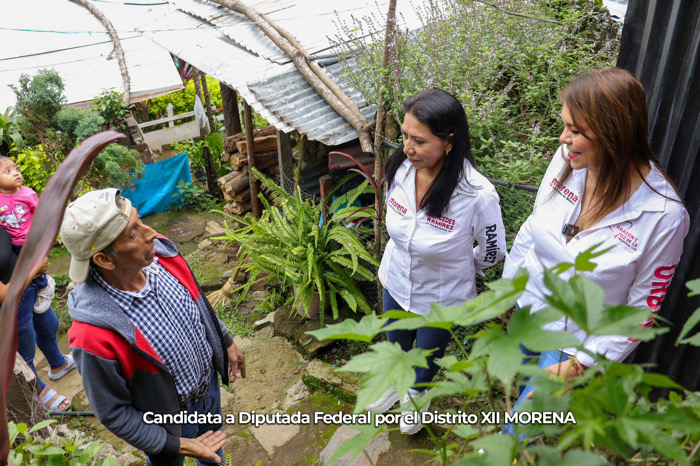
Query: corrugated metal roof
(295, 102)
(230, 48)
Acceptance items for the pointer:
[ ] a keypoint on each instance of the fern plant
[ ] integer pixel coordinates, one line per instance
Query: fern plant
(293, 242)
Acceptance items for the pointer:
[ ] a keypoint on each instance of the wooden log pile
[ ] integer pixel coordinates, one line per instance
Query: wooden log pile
(235, 185)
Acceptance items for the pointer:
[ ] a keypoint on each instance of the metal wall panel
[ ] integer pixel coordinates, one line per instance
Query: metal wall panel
(661, 46)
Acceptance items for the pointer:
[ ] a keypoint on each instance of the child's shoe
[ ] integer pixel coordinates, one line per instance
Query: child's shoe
(44, 296)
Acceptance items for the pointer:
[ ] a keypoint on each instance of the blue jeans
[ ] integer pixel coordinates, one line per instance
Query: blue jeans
(211, 403)
(37, 330)
(425, 338)
(547, 359)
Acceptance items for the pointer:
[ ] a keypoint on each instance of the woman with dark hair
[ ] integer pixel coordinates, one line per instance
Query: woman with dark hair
(438, 205)
(604, 186)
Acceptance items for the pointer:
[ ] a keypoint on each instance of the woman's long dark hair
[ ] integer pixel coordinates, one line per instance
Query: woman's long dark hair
(612, 102)
(444, 115)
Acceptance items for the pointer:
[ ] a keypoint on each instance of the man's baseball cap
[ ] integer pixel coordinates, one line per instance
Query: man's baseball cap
(90, 224)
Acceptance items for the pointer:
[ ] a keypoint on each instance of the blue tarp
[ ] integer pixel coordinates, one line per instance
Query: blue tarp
(157, 190)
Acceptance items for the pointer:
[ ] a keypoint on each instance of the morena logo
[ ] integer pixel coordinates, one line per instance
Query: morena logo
(563, 191)
(398, 207)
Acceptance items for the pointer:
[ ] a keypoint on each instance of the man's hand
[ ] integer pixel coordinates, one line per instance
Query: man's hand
(236, 363)
(204, 447)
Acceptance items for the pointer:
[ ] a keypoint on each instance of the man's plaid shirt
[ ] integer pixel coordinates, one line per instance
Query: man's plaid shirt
(165, 313)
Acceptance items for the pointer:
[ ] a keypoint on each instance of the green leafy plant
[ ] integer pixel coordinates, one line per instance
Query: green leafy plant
(39, 99)
(616, 419)
(51, 132)
(76, 125)
(28, 447)
(182, 101)
(35, 167)
(116, 166)
(195, 152)
(10, 137)
(295, 243)
(192, 195)
(111, 106)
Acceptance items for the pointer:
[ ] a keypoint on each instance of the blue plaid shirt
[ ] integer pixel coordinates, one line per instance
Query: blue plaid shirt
(165, 313)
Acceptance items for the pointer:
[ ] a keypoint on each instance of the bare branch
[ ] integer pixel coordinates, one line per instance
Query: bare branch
(117, 45)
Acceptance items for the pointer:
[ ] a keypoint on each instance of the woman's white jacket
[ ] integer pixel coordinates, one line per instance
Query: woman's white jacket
(432, 259)
(645, 236)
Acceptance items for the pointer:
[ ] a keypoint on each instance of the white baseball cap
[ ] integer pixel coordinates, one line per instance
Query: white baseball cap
(90, 224)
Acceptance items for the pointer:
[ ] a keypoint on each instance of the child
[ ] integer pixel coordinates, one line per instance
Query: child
(17, 205)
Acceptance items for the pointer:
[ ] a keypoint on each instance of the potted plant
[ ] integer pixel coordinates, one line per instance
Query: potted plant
(295, 243)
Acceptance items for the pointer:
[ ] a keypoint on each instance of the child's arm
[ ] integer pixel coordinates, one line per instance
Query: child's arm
(38, 270)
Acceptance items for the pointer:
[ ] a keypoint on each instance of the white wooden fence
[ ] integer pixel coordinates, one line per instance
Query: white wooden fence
(173, 133)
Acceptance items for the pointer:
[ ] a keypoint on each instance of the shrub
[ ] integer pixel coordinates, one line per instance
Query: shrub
(76, 125)
(506, 70)
(116, 166)
(111, 106)
(35, 167)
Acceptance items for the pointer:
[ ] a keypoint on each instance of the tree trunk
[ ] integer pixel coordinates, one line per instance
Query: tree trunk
(117, 45)
(232, 119)
(358, 122)
(378, 135)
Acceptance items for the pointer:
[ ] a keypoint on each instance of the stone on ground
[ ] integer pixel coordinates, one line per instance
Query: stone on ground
(267, 321)
(273, 436)
(369, 456)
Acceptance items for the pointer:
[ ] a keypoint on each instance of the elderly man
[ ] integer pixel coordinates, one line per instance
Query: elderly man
(145, 339)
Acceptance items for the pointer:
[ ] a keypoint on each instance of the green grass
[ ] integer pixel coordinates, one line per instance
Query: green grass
(57, 252)
(236, 323)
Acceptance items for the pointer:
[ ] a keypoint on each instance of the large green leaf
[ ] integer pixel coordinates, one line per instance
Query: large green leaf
(503, 349)
(365, 330)
(579, 299)
(583, 261)
(501, 297)
(444, 317)
(625, 320)
(526, 328)
(385, 364)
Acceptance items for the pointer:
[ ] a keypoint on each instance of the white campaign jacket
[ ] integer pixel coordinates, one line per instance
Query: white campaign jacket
(434, 259)
(646, 236)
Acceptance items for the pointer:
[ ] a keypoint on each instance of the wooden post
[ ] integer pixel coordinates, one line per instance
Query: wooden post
(325, 184)
(286, 162)
(250, 144)
(170, 112)
(212, 186)
(232, 119)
